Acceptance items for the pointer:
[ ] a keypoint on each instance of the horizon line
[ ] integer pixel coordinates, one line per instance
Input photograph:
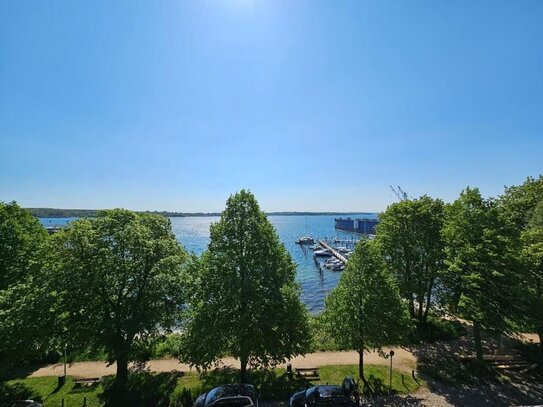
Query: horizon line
(59, 212)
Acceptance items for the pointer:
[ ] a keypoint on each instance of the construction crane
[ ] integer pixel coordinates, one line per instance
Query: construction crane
(404, 194)
(400, 194)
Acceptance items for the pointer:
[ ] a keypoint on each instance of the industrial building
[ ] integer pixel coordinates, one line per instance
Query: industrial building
(365, 226)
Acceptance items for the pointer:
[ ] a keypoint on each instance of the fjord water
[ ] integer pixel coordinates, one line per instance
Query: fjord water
(193, 233)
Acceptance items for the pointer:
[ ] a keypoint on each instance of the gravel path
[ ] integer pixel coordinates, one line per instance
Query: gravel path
(404, 360)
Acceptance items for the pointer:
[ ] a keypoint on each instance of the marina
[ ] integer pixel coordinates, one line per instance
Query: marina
(334, 252)
(336, 257)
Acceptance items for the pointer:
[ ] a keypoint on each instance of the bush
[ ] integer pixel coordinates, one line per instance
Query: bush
(168, 347)
(436, 329)
(183, 397)
(321, 340)
(90, 353)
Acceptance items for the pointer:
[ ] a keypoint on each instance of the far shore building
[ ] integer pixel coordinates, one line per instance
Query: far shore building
(365, 226)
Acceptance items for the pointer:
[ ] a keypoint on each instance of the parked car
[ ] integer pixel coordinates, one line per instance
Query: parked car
(327, 395)
(21, 403)
(229, 395)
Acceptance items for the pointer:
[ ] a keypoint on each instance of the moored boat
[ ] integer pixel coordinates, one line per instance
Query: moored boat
(322, 253)
(305, 240)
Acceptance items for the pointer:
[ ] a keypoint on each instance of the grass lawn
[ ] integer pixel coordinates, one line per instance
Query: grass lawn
(376, 375)
(272, 384)
(44, 389)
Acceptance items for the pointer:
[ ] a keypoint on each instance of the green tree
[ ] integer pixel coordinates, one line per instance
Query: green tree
(480, 278)
(532, 259)
(409, 233)
(519, 201)
(246, 302)
(365, 310)
(119, 281)
(24, 317)
(523, 205)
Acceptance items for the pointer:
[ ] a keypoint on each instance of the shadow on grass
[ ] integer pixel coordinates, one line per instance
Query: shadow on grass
(83, 390)
(143, 389)
(406, 386)
(17, 391)
(374, 386)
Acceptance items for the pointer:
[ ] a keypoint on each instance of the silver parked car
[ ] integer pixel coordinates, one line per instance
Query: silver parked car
(229, 395)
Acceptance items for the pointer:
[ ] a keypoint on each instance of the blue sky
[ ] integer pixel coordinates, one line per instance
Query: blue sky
(313, 105)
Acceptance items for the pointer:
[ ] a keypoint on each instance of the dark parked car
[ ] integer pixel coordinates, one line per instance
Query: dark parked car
(21, 403)
(229, 395)
(345, 395)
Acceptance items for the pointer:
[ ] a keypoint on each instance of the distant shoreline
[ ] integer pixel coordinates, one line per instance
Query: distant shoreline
(91, 213)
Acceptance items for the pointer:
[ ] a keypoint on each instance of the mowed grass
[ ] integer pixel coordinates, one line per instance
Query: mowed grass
(376, 375)
(273, 384)
(45, 389)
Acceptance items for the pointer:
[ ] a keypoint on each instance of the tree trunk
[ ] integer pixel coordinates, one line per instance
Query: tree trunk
(243, 370)
(361, 364)
(540, 333)
(428, 301)
(122, 371)
(411, 307)
(478, 345)
(420, 315)
(117, 395)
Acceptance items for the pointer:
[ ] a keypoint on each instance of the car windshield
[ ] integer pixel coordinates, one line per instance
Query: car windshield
(233, 402)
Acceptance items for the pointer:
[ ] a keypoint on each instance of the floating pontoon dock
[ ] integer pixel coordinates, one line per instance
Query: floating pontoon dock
(336, 254)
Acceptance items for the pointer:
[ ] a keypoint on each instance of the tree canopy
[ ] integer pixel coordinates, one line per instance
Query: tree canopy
(365, 310)
(532, 258)
(23, 322)
(524, 205)
(520, 201)
(119, 280)
(246, 301)
(481, 278)
(409, 233)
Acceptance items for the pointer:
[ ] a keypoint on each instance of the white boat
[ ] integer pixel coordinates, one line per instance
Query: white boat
(322, 253)
(305, 240)
(331, 263)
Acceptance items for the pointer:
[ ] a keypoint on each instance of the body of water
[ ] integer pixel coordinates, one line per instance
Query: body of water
(193, 233)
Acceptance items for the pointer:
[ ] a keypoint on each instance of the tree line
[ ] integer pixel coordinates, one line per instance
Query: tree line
(92, 213)
(121, 281)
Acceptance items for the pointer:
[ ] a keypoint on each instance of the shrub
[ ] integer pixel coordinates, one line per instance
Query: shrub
(437, 328)
(168, 347)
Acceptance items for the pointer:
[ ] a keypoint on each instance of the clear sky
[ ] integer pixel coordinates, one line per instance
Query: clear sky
(313, 105)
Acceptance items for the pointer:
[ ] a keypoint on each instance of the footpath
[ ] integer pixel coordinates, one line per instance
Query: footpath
(403, 360)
